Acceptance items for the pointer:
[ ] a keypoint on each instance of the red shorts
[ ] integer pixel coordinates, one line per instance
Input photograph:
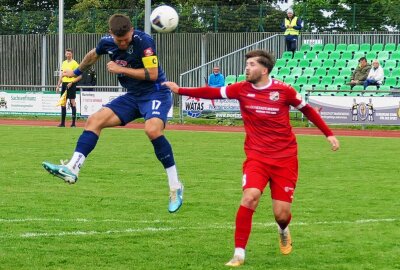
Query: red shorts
(281, 174)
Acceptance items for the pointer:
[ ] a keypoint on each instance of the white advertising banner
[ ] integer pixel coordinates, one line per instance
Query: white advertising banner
(358, 110)
(206, 108)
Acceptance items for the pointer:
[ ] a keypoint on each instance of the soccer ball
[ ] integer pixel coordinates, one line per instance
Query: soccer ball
(164, 19)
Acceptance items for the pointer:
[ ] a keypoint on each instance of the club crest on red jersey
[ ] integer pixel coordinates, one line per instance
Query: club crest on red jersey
(274, 96)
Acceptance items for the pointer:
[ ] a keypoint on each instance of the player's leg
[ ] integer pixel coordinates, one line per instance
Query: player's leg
(282, 184)
(155, 113)
(72, 96)
(63, 108)
(255, 178)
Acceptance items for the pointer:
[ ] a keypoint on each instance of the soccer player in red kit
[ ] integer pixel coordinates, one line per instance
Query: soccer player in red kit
(270, 145)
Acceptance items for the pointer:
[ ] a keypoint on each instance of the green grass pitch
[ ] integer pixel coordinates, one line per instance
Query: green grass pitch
(345, 213)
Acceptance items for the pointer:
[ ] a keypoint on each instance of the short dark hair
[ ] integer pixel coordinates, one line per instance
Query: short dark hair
(362, 59)
(119, 24)
(69, 50)
(263, 57)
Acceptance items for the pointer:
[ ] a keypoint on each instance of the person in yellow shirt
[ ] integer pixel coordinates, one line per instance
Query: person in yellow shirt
(68, 84)
(292, 26)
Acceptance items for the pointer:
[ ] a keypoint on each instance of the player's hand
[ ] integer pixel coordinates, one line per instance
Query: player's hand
(334, 142)
(69, 85)
(114, 67)
(173, 86)
(57, 89)
(68, 73)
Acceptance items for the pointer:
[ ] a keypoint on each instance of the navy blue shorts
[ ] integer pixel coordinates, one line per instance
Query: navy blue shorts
(128, 107)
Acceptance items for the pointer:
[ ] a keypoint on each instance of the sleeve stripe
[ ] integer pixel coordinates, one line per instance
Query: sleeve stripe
(223, 92)
(301, 105)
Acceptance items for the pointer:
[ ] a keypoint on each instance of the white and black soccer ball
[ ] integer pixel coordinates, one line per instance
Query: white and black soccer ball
(164, 19)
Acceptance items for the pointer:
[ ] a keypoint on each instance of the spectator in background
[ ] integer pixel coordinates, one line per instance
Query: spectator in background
(292, 26)
(216, 79)
(375, 75)
(89, 78)
(360, 74)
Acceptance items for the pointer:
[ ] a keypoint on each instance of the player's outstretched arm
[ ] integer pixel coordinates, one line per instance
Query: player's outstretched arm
(173, 86)
(198, 92)
(334, 142)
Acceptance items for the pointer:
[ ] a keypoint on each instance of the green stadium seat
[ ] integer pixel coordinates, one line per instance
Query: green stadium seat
(341, 47)
(340, 94)
(395, 55)
(318, 47)
(302, 80)
(296, 72)
(390, 64)
(296, 87)
(339, 80)
(274, 72)
(329, 47)
(230, 79)
(383, 55)
(371, 56)
(398, 47)
(386, 72)
(385, 87)
(326, 80)
(313, 80)
(320, 87)
(328, 63)
(298, 55)
(241, 78)
(285, 71)
(304, 63)
(390, 47)
(377, 47)
(287, 55)
(352, 63)
(358, 88)
(334, 55)
(280, 63)
(308, 72)
(305, 47)
(365, 47)
(345, 72)
(340, 63)
(320, 72)
(292, 63)
(289, 80)
(353, 47)
(347, 55)
(391, 81)
(396, 73)
(345, 87)
(316, 63)
(323, 55)
(311, 55)
(371, 87)
(333, 72)
(358, 55)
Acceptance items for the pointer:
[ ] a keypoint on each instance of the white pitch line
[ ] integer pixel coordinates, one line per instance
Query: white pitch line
(164, 229)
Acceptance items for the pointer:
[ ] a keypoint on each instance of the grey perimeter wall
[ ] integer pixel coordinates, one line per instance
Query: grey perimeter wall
(21, 56)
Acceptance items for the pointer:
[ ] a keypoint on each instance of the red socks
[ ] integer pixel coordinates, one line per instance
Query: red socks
(244, 218)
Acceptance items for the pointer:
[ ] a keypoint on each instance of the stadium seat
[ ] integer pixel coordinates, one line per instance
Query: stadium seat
(383, 55)
(339, 81)
(327, 80)
(313, 80)
(347, 55)
(274, 72)
(289, 80)
(284, 72)
(333, 72)
(304, 63)
(280, 63)
(396, 73)
(329, 47)
(384, 87)
(358, 55)
(390, 64)
(391, 81)
(318, 47)
(323, 55)
(365, 47)
(334, 55)
(340, 63)
(352, 64)
(311, 55)
(341, 47)
(395, 55)
(358, 88)
(377, 47)
(320, 87)
(305, 47)
(292, 63)
(320, 72)
(390, 47)
(353, 47)
(298, 55)
(371, 87)
(345, 72)
(308, 72)
(398, 47)
(315, 63)
(328, 63)
(302, 80)
(296, 87)
(371, 56)
(230, 79)
(241, 78)
(296, 72)
(386, 72)
(287, 55)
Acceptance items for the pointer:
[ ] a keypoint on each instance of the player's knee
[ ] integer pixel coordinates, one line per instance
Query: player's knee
(250, 201)
(282, 215)
(152, 131)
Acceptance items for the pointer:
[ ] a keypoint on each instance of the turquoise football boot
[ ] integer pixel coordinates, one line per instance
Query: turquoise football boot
(175, 199)
(61, 171)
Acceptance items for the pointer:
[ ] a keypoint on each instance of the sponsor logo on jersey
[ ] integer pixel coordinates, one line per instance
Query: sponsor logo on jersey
(130, 49)
(121, 63)
(251, 95)
(274, 96)
(148, 52)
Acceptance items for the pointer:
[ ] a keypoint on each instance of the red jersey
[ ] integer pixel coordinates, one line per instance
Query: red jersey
(265, 114)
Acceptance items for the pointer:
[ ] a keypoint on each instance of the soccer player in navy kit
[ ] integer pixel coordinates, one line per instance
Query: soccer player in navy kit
(134, 61)
(270, 144)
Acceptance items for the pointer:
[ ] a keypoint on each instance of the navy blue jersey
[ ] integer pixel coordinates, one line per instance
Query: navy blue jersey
(140, 50)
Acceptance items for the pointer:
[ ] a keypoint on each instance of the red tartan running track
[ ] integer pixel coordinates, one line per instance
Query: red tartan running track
(299, 131)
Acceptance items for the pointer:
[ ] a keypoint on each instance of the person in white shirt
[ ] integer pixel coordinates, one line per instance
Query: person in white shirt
(375, 75)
